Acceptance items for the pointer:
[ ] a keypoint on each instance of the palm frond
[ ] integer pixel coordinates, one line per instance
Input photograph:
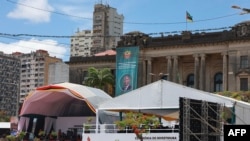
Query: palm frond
(99, 78)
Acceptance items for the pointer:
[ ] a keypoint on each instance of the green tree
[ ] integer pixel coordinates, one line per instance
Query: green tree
(99, 78)
(4, 117)
(139, 122)
(238, 95)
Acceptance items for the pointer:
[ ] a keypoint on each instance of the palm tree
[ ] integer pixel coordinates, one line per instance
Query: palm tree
(99, 78)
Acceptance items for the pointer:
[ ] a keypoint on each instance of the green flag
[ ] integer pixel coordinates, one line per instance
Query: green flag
(189, 18)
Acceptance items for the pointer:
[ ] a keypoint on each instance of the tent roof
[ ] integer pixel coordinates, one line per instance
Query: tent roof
(107, 52)
(160, 98)
(161, 94)
(63, 99)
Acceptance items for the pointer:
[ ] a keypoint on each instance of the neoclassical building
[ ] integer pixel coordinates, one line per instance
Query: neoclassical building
(209, 61)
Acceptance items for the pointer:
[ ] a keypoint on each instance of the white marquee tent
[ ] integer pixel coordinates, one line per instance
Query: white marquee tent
(162, 98)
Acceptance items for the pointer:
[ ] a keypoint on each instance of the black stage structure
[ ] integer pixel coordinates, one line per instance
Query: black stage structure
(200, 120)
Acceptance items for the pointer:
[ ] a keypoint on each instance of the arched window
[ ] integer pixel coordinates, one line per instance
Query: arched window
(218, 82)
(190, 80)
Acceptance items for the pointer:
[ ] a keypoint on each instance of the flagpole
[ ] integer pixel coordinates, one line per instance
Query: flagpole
(186, 20)
(186, 24)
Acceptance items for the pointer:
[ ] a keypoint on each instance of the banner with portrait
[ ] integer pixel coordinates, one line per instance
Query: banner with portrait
(126, 69)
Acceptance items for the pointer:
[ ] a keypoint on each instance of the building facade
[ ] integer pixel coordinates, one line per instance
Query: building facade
(9, 84)
(78, 67)
(34, 70)
(107, 28)
(58, 73)
(81, 43)
(208, 61)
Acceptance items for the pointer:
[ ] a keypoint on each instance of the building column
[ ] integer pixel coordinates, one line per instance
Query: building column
(141, 69)
(196, 71)
(169, 68)
(232, 61)
(144, 72)
(149, 70)
(202, 72)
(225, 71)
(175, 70)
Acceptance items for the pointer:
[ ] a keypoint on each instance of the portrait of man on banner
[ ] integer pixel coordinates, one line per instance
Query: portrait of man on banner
(126, 83)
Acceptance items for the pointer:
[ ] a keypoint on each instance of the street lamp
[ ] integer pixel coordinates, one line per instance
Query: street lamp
(160, 75)
(244, 10)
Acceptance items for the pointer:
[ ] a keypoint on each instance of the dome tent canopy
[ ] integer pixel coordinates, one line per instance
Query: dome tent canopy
(63, 99)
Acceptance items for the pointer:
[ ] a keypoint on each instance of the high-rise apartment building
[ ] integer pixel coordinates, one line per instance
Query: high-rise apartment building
(81, 42)
(106, 32)
(34, 70)
(107, 28)
(9, 84)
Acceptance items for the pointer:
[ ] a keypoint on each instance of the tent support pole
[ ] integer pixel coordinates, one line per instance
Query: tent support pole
(96, 121)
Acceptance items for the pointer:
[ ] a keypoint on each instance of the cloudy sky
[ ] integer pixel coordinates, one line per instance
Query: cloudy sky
(29, 25)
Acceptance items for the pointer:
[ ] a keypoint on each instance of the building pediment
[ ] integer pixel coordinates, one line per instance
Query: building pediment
(243, 72)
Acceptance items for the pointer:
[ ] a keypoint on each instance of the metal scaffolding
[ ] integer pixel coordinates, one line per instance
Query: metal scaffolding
(200, 120)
